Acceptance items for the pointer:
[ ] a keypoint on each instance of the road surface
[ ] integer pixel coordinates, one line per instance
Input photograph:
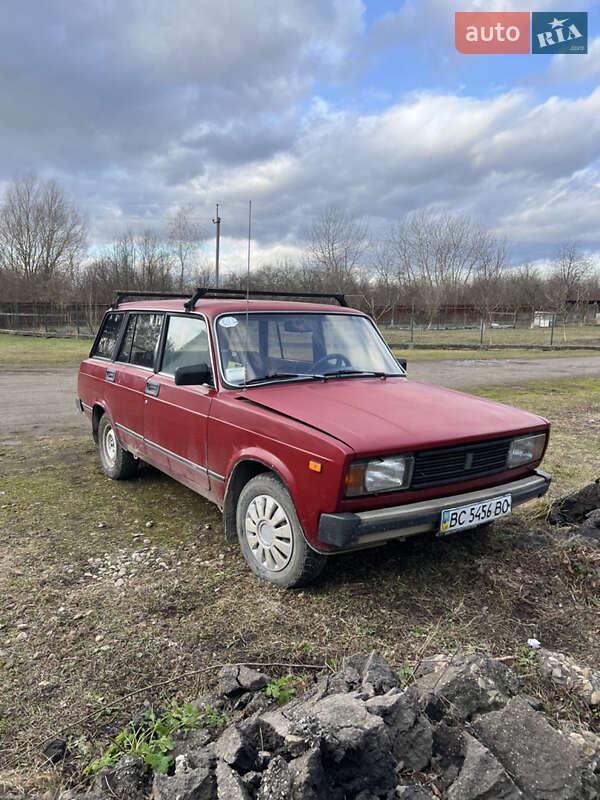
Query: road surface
(35, 402)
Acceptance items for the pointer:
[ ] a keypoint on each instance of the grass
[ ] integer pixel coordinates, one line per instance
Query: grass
(505, 337)
(33, 351)
(151, 737)
(73, 639)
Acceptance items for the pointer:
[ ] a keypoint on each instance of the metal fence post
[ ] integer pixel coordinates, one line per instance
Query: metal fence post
(552, 329)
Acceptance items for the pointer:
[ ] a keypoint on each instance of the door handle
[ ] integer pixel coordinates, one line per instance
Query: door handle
(111, 374)
(152, 388)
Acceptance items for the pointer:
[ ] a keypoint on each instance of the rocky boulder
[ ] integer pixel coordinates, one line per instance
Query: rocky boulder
(462, 731)
(544, 762)
(573, 508)
(460, 686)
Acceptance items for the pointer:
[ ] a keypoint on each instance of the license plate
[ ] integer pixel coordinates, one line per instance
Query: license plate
(461, 517)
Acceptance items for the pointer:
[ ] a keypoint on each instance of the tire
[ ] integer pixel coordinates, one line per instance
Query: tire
(271, 537)
(116, 462)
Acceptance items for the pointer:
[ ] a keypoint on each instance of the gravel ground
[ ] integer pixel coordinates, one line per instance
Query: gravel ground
(38, 401)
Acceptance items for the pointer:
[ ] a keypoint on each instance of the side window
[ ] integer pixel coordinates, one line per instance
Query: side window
(108, 336)
(145, 340)
(140, 340)
(125, 349)
(186, 344)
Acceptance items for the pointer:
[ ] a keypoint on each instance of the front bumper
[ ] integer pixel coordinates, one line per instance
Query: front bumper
(366, 528)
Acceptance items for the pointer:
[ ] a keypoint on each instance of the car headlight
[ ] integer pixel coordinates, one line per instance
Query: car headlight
(524, 449)
(378, 475)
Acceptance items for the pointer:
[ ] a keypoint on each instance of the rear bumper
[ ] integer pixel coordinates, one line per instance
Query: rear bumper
(365, 528)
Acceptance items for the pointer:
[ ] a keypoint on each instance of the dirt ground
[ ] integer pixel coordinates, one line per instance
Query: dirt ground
(116, 587)
(34, 402)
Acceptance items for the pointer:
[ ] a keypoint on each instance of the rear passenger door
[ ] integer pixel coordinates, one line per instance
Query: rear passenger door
(133, 366)
(175, 417)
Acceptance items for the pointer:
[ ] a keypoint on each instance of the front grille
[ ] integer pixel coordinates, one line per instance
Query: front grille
(456, 464)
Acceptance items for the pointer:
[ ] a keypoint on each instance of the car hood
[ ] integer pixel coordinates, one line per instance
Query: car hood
(372, 415)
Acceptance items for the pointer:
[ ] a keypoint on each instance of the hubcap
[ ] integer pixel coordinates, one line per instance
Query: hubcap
(110, 445)
(269, 533)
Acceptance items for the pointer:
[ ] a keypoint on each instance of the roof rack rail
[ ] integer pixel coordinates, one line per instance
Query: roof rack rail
(121, 295)
(203, 291)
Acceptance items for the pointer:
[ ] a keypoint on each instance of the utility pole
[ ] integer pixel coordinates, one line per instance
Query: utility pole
(217, 222)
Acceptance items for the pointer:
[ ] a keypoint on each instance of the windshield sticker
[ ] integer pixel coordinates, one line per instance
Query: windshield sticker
(235, 374)
(228, 322)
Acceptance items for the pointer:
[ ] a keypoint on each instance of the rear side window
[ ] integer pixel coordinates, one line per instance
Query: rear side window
(186, 344)
(109, 336)
(141, 339)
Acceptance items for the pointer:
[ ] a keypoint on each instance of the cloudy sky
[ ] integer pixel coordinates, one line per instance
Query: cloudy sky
(138, 106)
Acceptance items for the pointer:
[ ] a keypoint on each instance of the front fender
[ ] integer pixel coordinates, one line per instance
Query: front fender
(312, 493)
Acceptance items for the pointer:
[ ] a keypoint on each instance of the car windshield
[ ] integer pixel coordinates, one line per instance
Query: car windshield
(268, 346)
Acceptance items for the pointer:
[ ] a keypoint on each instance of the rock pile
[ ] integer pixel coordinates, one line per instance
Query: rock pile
(580, 508)
(462, 731)
(564, 671)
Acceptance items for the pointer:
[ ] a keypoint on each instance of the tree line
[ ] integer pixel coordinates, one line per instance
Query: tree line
(424, 261)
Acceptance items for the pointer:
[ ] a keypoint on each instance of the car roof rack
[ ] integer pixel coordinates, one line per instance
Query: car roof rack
(203, 291)
(121, 295)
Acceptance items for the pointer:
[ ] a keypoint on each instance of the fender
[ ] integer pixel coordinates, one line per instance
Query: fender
(268, 460)
(246, 465)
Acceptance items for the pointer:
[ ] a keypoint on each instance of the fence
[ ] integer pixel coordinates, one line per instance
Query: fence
(73, 320)
(458, 327)
(465, 328)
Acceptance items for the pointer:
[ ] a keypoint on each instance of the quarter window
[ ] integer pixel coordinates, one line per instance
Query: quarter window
(125, 349)
(186, 344)
(108, 336)
(141, 339)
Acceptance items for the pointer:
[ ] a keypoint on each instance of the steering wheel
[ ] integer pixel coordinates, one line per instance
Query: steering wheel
(334, 360)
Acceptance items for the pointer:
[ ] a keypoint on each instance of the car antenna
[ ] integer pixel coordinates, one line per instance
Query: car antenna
(248, 291)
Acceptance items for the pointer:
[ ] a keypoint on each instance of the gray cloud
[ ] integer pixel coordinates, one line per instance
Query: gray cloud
(113, 80)
(138, 107)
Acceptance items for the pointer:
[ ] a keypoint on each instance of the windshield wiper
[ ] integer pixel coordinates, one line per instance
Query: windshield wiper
(371, 373)
(339, 373)
(281, 376)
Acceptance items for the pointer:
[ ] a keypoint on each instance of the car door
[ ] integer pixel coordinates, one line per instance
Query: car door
(175, 417)
(132, 368)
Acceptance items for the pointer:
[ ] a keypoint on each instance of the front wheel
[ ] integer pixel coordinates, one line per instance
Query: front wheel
(116, 462)
(270, 535)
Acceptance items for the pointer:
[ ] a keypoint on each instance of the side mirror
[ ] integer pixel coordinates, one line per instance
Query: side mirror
(194, 375)
(402, 362)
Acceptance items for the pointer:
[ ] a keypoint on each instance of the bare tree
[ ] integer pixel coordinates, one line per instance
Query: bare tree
(526, 288)
(42, 235)
(487, 283)
(568, 279)
(131, 262)
(185, 236)
(433, 257)
(336, 246)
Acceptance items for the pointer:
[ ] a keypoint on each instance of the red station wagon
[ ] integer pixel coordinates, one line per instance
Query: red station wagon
(299, 423)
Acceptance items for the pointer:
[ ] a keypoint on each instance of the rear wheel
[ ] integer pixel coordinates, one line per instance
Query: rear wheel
(116, 462)
(270, 535)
